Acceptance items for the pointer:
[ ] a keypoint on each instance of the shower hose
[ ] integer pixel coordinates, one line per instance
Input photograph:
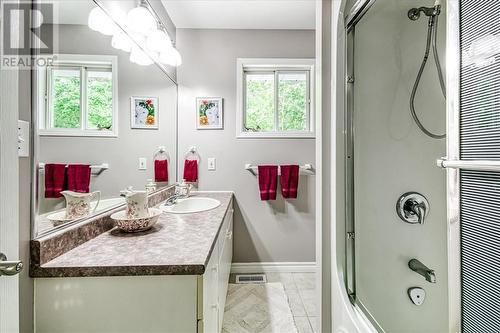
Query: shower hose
(431, 38)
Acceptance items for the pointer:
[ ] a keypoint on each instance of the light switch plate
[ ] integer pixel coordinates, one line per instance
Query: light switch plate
(142, 163)
(211, 164)
(23, 138)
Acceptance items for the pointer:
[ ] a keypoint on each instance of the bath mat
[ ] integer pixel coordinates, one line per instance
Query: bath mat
(257, 308)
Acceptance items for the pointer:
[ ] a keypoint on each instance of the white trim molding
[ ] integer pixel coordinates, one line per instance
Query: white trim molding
(274, 267)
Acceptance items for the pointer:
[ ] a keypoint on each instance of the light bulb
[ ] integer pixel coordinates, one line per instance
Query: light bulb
(122, 41)
(158, 41)
(171, 57)
(101, 22)
(139, 19)
(139, 57)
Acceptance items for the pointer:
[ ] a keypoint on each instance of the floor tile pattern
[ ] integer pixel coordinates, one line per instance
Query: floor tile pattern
(257, 308)
(300, 289)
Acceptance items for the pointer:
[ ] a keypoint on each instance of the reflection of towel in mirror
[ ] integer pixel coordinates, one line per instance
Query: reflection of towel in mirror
(161, 171)
(55, 175)
(191, 171)
(79, 178)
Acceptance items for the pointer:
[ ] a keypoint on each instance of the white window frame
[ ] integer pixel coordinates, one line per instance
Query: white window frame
(278, 65)
(81, 62)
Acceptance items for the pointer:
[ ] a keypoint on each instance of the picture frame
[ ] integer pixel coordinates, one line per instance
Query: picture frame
(209, 113)
(144, 112)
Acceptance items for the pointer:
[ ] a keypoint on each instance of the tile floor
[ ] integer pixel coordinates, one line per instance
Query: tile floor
(300, 289)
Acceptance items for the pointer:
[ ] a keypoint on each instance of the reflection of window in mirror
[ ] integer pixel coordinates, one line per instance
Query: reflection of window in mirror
(78, 96)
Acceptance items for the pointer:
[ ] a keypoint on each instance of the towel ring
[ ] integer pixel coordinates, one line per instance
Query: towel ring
(192, 152)
(161, 150)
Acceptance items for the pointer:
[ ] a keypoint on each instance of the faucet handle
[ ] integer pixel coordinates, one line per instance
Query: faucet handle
(412, 207)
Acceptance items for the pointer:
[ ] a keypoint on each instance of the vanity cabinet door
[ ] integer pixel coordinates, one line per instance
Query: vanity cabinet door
(226, 256)
(210, 293)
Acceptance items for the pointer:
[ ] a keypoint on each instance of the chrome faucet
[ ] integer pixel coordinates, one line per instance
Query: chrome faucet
(172, 200)
(416, 266)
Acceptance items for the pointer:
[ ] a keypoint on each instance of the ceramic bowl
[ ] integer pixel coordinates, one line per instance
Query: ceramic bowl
(136, 224)
(58, 218)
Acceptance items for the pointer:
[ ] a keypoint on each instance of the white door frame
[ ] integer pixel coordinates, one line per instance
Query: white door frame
(9, 192)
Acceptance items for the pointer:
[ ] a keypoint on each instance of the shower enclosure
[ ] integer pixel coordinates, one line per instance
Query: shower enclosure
(396, 268)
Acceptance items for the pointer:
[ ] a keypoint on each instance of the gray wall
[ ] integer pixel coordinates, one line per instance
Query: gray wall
(121, 153)
(276, 231)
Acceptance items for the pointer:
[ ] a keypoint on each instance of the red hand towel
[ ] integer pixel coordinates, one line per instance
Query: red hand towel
(161, 171)
(268, 179)
(79, 178)
(289, 181)
(54, 180)
(191, 171)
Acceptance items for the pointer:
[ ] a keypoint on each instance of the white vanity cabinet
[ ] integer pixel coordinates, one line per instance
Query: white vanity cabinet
(216, 278)
(146, 304)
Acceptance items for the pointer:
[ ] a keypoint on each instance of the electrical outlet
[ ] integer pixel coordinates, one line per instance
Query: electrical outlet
(142, 163)
(211, 163)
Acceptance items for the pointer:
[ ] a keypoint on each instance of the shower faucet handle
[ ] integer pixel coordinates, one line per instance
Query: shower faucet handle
(412, 207)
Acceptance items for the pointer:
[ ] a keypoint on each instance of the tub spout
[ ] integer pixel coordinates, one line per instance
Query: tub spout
(416, 266)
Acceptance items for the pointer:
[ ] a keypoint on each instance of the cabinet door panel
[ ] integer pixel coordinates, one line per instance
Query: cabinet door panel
(210, 294)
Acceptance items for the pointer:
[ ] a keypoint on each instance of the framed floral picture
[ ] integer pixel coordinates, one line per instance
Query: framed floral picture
(144, 112)
(209, 113)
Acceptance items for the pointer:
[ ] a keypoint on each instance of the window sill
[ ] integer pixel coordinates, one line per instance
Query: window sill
(77, 133)
(275, 135)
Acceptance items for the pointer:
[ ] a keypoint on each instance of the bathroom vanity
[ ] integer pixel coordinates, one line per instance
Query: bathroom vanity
(172, 278)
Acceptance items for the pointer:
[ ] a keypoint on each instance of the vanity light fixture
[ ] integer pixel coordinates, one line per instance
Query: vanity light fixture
(158, 41)
(100, 21)
(122, 41)
(138, 56)
(140, 19)
(142, 34)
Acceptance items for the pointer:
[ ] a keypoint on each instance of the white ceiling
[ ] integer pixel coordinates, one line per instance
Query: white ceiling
(242, 14)
(70, 11)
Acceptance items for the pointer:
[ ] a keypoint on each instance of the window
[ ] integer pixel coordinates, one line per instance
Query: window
(274, 98)
(79, 93)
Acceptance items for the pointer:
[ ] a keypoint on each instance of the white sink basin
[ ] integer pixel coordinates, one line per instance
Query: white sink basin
(191, 205)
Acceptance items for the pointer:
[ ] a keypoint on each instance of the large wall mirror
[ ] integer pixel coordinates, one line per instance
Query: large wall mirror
(102, 111)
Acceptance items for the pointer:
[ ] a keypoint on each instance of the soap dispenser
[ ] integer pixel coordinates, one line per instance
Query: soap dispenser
(183, 189)
(150, 186)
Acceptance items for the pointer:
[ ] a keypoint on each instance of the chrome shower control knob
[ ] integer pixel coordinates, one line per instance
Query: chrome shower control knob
(412, 207)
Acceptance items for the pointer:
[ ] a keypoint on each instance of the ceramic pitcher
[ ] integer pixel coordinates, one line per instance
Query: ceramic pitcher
(137, 204)
(78, 204)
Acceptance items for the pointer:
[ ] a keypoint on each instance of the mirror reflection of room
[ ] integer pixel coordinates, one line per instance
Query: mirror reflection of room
(104, 120)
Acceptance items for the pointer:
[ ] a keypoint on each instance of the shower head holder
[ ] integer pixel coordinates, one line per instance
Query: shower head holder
(414, 13)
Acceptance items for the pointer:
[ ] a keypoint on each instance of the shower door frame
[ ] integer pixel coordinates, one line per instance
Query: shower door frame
(453, 65)
(357, 12)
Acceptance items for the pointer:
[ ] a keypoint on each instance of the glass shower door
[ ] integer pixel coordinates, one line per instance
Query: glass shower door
(387, 156)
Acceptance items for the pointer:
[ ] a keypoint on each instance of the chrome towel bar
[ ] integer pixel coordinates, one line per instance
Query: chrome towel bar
(306, 169)
(469, 165)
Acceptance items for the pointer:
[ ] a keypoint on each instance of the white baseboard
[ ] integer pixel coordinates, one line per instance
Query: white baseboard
(274, 267)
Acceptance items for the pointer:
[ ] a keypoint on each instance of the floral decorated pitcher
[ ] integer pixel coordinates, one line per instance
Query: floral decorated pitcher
(78, 204)
(137, 204)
